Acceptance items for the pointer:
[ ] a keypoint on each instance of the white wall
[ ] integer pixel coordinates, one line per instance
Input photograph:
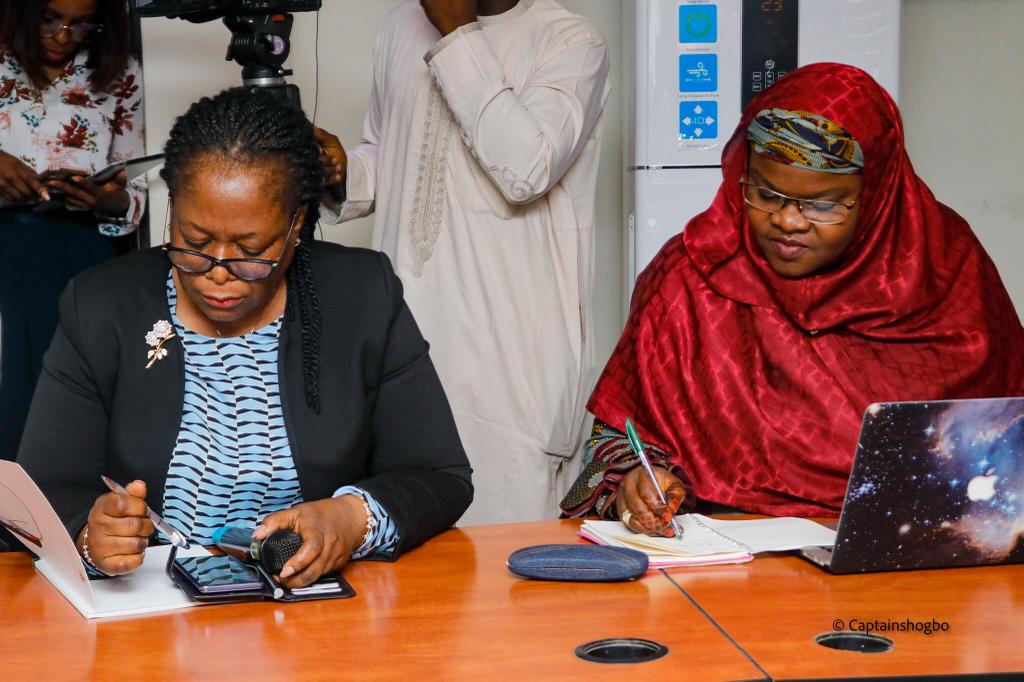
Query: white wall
(963, 108)
(962, 100)
(184, 61)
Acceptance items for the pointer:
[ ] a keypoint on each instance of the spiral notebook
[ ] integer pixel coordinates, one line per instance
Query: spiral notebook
(712, 541)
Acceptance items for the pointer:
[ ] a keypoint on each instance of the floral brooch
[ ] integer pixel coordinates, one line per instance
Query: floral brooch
(161, 333)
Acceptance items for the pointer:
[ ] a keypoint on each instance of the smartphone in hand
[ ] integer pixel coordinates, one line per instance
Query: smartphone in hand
(64, 174)
(133, 168)
(57, 197)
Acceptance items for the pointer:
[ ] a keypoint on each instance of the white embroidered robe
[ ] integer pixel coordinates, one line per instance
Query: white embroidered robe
(479, 158)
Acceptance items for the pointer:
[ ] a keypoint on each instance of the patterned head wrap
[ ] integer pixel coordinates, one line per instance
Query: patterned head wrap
(805, 140)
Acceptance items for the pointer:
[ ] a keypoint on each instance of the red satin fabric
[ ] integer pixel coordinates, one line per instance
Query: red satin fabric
(755, 383)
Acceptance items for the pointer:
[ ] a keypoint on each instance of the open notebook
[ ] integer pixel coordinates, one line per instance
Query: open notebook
(25, 511)
(712, 541)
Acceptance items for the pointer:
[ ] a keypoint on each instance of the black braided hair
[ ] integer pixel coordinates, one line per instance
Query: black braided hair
(252, 126)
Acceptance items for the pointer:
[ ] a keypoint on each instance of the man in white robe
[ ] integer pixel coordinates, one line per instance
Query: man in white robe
(479, 158)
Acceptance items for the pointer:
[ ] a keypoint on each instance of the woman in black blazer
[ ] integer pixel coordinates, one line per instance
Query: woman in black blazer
(159, 375)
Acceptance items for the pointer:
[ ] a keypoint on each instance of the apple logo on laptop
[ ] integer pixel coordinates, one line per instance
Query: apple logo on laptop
(982, 488)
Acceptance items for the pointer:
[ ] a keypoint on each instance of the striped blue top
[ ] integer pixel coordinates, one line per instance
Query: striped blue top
(232, 463)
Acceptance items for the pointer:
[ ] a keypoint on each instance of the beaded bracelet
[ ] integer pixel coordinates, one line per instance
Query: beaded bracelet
(371, 521)
(85, 548)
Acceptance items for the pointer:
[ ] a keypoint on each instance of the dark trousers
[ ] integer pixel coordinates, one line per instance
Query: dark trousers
(39, 254)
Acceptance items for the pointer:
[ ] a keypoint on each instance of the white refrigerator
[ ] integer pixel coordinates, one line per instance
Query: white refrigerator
(690, 67)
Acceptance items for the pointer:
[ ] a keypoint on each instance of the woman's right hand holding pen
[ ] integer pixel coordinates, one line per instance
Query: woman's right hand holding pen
(639, 506)
(118, 530)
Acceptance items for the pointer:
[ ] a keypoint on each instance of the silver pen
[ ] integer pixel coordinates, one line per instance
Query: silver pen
(638, 448)
(177, 539)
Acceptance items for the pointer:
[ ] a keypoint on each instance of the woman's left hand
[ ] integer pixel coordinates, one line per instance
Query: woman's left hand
(330, 529)
(109, 198)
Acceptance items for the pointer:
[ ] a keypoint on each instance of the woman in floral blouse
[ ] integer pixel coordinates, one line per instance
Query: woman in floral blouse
(70, 98)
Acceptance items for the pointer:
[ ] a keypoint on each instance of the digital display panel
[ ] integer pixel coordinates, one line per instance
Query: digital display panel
(769, 34)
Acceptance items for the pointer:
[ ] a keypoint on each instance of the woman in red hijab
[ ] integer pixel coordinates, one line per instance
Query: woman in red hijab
(824, 277)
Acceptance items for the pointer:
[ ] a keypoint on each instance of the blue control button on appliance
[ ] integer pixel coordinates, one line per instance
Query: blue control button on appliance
(698, 72)
(698, 120)
(698, 23)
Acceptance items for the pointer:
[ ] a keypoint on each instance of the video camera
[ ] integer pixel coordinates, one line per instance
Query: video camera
(260, 31)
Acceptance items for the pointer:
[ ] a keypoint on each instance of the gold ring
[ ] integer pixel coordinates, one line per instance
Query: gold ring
(626, 516)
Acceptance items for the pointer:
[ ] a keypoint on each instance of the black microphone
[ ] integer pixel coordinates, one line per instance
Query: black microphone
(272, 551)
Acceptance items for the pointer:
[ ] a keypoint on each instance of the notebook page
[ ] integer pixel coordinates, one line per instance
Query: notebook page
(770, 535)
(147, 589)
(698, 540)
(658, 560)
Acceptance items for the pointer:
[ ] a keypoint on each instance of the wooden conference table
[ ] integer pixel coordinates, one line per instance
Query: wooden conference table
(450, 610)
(775, 606)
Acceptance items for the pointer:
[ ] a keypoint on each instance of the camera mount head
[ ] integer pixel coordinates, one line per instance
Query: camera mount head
(260, 34)
(260, 45)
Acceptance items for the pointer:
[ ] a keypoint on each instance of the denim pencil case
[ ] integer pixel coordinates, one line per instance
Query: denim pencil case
(578, 563)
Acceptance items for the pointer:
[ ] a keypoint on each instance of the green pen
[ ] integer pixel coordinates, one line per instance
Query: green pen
(638, 448)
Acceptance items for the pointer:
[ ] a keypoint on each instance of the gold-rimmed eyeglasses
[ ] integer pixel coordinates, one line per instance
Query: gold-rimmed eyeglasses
(815, 210)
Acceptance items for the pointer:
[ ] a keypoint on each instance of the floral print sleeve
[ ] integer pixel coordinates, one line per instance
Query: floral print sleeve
(129, 142)
(68, 125)
(607, 458)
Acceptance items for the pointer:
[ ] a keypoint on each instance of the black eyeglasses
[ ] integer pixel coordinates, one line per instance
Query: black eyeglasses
(814, 210)
(249, 269)
(51, 28)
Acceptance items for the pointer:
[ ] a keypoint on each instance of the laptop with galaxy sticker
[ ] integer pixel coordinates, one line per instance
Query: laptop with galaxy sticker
(934, 484)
